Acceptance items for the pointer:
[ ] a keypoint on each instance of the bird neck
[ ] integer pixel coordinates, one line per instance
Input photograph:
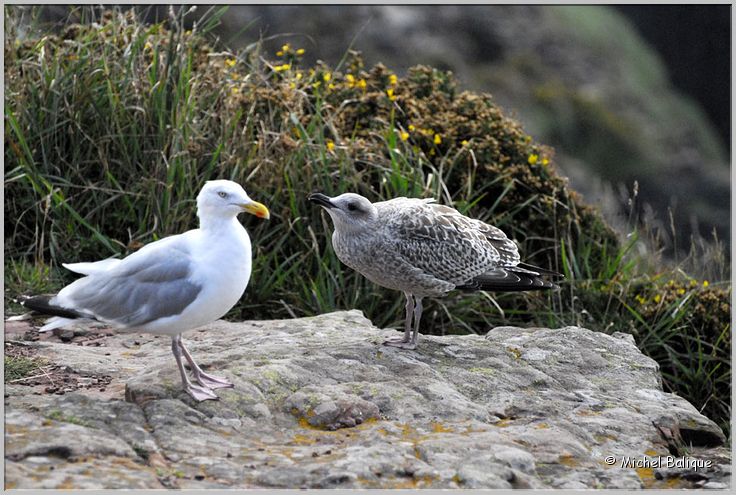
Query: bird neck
(212, 223)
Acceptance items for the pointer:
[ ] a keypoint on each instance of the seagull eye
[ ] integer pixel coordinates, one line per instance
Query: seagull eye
(352, 206)
(222, 194)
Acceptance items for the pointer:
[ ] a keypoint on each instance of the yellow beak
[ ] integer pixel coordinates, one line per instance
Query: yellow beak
(257, 209)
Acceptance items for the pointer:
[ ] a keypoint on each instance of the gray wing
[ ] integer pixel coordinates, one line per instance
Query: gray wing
(445, 244)
(145, 286)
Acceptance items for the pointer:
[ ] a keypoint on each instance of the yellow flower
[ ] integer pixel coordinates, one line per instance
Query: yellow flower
(533, 159)
(390, 93)
(331, 86)
(545, 161)
(657, 298)
(330, 145)
(292, 85)
(641, 299)
(437, 139)
(234, 76)
(693, 283)
(234, 90)
(362, 84)
(464, 142)
(280, 68)
(705, 283)
(298, 75)
(279, 53)
(148, 46)
(411, 127)
(230, 62)
(404, 135)
(680, 291)
(316, 84)
(392, 79)
(300, 51)
(285, 48)
(326, 76)
(350, 79)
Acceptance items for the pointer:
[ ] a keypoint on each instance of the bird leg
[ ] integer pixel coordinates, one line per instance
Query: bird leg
(417, 318)
(204, 379)
(406, 341)
(197, 392)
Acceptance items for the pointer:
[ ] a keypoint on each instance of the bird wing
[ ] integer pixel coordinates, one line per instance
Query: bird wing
(92, 267)
(150, 284)
(445, 244)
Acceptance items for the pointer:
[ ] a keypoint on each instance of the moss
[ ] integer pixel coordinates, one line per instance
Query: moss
(58, 415)
(17, 367)
(483, 371)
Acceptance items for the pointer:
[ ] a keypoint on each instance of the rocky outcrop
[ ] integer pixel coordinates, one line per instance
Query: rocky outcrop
(320, 403)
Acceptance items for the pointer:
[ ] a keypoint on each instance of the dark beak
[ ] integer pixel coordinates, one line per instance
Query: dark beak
(321, 200)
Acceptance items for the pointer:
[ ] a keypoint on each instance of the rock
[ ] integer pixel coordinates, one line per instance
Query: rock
(319, 403)
(715, 486)
(331, 410)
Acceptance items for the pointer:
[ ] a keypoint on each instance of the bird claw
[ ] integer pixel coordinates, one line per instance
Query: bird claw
(212, 382)
(401, 344)
(200, 393)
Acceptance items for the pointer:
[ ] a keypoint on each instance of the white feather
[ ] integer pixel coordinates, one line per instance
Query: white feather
(92, 267)
(56, 322)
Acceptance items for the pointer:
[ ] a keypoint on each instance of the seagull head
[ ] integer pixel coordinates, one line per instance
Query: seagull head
(225, 199)
(349, 211)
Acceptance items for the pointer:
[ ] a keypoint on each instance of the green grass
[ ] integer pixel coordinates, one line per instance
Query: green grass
(112, 130)
(17, 367)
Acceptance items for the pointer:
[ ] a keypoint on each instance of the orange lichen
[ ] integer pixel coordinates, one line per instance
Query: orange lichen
(300, 439)
(646, 475)
(439, 428)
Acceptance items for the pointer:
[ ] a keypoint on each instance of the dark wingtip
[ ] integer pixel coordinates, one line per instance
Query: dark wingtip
(540, 271)
(42, 304)
(513, 281)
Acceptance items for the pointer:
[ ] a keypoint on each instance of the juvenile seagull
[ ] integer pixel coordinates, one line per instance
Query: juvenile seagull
(175, 284)
(424, 250)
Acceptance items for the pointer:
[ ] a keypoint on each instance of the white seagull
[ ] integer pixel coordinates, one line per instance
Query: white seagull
(425, 250)
(175, 284)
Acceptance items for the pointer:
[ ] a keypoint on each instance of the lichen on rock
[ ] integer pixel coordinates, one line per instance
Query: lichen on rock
(460, 412)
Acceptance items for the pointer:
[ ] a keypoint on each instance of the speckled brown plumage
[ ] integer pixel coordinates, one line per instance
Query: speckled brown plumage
(425, 249)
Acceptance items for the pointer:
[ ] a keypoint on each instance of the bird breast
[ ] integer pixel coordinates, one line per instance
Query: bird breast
(225, 265)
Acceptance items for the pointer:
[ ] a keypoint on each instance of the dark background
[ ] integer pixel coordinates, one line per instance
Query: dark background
(695, 43)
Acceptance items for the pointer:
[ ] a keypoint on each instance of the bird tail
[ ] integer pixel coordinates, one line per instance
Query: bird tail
(512, 279)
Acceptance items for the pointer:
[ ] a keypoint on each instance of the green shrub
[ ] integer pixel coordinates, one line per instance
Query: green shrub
(111, 129)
